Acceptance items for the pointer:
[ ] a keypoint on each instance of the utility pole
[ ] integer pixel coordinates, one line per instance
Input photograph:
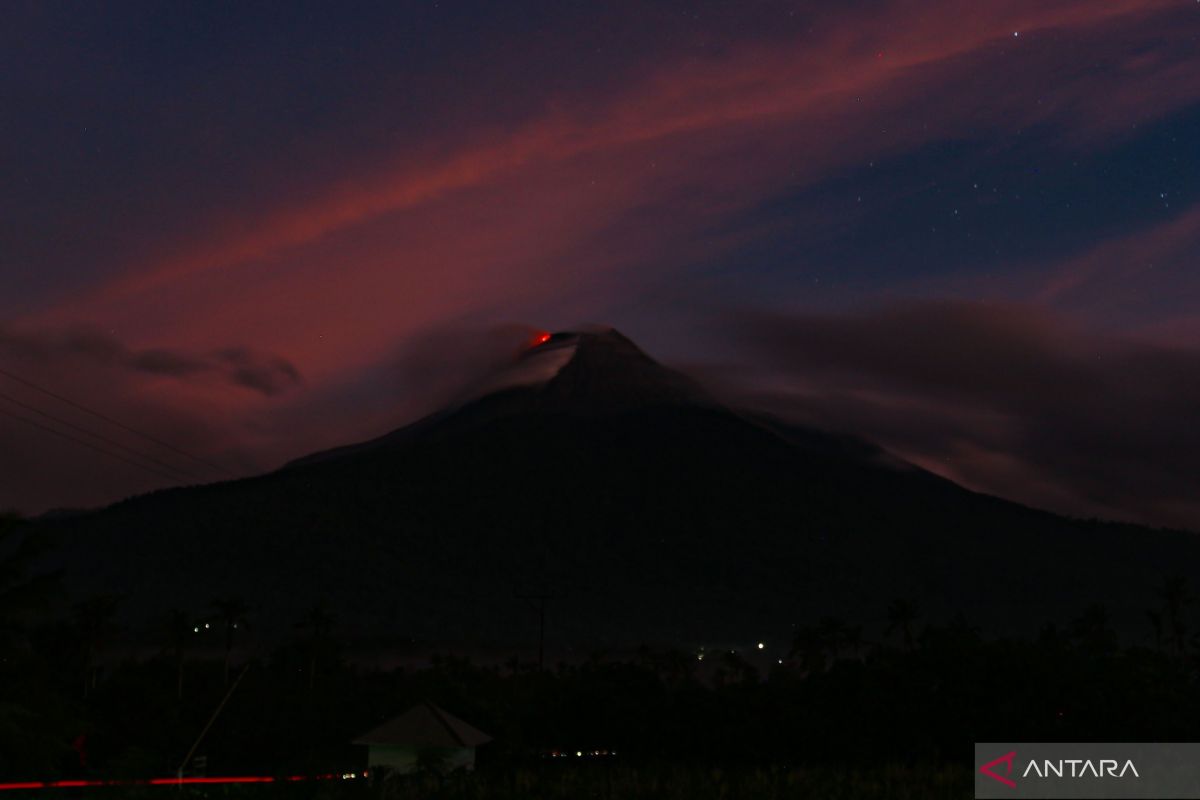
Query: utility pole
(538, 601)
(209, 724)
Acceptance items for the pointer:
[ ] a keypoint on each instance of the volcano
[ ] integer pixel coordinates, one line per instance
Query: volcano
(644, 508)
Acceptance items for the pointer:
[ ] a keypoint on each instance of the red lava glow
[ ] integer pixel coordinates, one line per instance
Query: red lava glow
(540, 339)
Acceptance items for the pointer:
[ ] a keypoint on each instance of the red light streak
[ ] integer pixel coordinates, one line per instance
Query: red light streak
(230, 779)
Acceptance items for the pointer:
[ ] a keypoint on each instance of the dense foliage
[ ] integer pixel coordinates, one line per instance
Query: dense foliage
(840, 714)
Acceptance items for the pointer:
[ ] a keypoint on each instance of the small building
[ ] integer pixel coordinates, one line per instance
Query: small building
(425, 735)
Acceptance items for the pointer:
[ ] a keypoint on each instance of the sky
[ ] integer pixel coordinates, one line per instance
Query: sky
(966, 231)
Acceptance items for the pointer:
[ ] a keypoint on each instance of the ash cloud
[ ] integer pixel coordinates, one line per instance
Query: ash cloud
(1010, 400)
(446, 362)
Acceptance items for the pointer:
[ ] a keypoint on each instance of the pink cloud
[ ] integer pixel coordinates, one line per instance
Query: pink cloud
(561, 216)
(1125, 281)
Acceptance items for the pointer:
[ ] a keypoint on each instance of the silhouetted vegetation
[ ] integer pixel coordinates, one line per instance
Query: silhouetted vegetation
(842, 715)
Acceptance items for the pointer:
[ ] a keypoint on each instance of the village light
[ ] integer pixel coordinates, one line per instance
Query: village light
(761, 645)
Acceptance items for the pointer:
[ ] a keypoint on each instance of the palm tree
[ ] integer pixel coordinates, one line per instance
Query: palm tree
(180, 628)
(852, 639)
(1176, 599)
(1156, 622)
(318, 623)
(815, 646)
(94, 617)
(808, 649)
(901, 615)
(230, 612)
(835, 634)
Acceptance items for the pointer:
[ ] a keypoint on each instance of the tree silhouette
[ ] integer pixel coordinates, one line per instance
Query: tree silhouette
(94, 619)
(901, 615)
(733, 668)
(230, 612)
(851, 640)
(676, 667)
(839, 636)
(1093, 630)
(809, 649)
(180, 631)
(1176, 599)
(20, 593)
(317, 623)
(1156, 623)
(815, 646)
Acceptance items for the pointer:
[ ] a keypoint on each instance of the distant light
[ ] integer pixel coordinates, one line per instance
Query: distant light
(761, 645)
(579, 753)
(780, 661)
(196, 629)
(1016, 33)
(206, 626)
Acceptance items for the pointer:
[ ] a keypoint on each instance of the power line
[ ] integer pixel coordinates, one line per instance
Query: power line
(112, 421)
(87, 444)
(180, 473)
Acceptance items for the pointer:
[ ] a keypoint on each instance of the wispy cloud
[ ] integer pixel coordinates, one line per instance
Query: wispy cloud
(243, 367)
(577, 206)
(1010, 400)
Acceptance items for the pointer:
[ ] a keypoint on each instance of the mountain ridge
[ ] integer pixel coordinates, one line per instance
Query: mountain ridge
(653, 513)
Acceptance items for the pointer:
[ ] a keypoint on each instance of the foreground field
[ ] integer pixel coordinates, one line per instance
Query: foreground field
(893, 782)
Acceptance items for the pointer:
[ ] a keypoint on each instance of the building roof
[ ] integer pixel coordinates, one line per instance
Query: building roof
(425, 725)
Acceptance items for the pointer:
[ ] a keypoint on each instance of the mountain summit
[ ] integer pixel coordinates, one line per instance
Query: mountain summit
(648, 510)
(607, 372)
(594, 372)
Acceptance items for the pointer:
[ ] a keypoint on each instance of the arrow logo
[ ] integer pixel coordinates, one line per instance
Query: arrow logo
(1007, 759)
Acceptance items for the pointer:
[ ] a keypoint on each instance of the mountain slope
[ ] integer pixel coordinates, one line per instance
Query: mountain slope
(648, 510)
